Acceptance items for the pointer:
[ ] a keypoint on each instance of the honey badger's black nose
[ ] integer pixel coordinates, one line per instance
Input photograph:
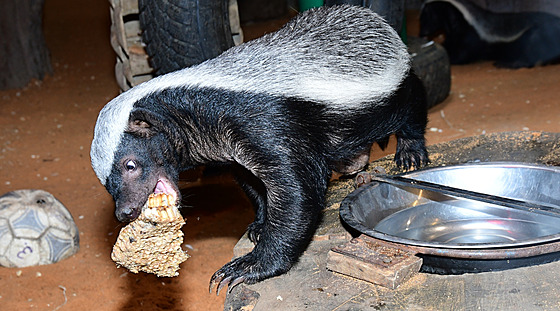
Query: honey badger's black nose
(127, 213)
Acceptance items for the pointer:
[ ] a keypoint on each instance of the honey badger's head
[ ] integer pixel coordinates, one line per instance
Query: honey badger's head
(138, 162)
(143, 164)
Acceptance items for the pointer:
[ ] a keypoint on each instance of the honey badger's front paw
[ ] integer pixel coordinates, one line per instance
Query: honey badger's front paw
(247, 269)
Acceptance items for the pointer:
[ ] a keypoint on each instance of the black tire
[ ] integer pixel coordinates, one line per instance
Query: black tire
(431, 64)
(182, 33)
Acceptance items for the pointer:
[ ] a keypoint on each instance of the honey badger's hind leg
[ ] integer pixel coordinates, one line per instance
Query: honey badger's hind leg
(296, 191)
(411, 144)
(355, 165)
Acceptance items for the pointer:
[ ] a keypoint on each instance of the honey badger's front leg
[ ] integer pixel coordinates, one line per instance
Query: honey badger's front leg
(295, 197)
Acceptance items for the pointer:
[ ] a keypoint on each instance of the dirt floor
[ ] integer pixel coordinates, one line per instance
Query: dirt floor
(46, 133)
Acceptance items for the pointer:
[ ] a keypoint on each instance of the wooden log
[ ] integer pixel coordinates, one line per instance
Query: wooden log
(23, 52)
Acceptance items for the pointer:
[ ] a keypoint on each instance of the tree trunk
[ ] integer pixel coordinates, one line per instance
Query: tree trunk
(23, 51)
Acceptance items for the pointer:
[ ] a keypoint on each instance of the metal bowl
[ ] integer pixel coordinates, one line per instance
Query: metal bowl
(427, 219)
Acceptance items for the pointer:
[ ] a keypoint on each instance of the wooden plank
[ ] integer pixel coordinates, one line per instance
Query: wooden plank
(374, 262)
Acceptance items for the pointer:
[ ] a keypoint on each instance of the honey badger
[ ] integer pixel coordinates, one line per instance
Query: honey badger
(288, 108)
(521, 36)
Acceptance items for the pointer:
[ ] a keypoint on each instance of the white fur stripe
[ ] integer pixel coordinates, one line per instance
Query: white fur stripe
(110, 127)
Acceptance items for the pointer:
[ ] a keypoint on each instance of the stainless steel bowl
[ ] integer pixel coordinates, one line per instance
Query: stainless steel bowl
(427, 219)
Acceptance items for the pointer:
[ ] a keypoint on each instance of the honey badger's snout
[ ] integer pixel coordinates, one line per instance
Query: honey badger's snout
(127, 212)
(129, 204)
(130, 194)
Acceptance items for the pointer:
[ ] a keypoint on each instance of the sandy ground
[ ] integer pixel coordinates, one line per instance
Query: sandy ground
(46, 133)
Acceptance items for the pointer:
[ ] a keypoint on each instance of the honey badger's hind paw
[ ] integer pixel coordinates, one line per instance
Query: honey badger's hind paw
(246, 269)
(411, 154)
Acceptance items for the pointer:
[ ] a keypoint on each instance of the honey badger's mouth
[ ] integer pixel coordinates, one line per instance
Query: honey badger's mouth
(166, 187)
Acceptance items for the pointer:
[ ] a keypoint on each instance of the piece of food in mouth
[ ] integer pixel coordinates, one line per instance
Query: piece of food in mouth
(152, 242)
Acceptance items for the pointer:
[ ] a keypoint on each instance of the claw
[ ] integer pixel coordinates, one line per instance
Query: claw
(235, 282)
(415, 161)
(254, 233)
(216, 279)
(222, 283)
(254, 237)
(246, 269)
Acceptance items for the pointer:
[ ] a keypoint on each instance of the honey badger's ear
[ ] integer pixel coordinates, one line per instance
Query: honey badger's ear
(142, 123)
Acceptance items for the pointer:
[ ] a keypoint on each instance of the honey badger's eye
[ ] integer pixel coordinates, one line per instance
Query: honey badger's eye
(130, 165)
